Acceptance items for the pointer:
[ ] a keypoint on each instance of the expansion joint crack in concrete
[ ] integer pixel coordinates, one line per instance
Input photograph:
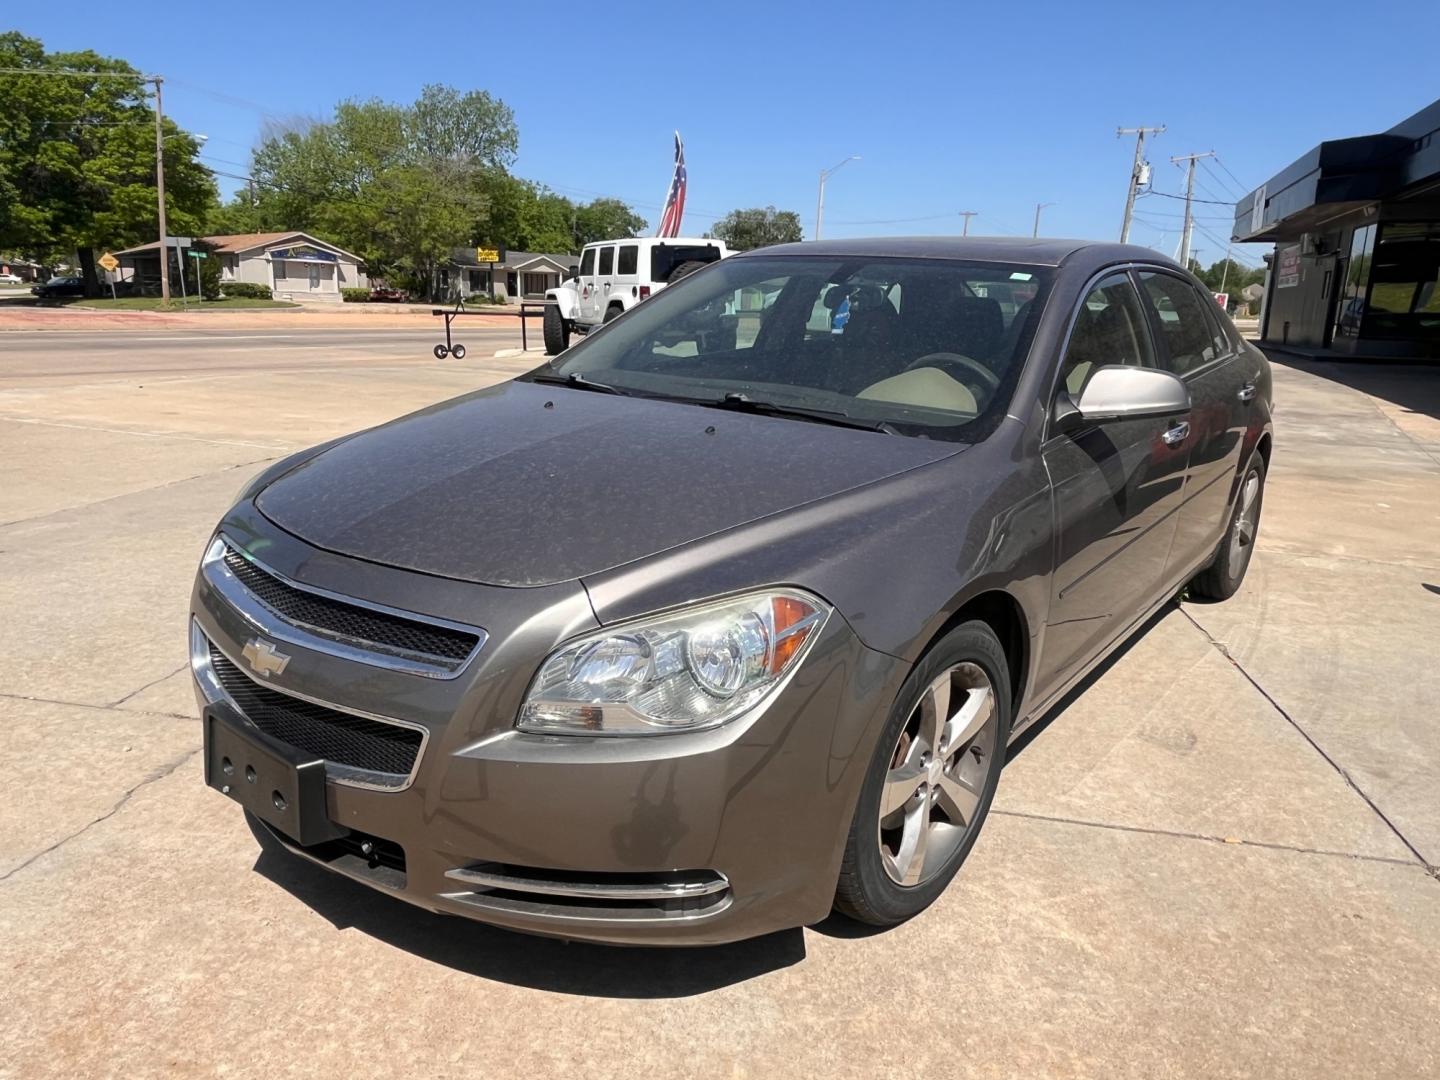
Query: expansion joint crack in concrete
(1350, 782)
(177, 436)
(1234, 841)
(158, 774)
(91, 705)
(147, 686)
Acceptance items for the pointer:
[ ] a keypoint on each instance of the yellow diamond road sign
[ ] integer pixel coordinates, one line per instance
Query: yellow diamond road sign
(109, 262)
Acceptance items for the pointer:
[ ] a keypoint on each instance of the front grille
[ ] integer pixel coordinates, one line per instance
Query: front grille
(341, 738)
(366, 627)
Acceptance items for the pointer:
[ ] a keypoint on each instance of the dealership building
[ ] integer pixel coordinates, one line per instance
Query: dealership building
(1356, 228)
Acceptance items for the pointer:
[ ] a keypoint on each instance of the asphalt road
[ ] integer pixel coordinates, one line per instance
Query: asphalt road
(68, 354)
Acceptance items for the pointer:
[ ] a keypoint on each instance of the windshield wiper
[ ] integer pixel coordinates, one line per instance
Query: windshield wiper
(738, 402)
(577, 381)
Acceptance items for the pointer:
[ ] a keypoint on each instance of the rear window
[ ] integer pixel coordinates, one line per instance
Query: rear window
(664, 258)
(607, 261)
(629, 261)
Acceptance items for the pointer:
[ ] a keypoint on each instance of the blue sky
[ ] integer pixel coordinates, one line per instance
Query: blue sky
(952, 106)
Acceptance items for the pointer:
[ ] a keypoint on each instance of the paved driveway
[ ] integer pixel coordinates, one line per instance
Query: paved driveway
(1211, 862)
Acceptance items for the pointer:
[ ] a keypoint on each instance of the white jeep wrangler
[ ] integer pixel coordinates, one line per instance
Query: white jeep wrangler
(614, 276)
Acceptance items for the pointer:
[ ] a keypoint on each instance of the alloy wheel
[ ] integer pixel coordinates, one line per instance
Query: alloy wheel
(936, 780)
(1247, 521)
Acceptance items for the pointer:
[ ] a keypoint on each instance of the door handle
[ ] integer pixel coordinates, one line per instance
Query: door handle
(1176, 435)
(1247, 392)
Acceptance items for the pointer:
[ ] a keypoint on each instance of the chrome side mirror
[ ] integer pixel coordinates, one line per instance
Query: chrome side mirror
(1119, 392)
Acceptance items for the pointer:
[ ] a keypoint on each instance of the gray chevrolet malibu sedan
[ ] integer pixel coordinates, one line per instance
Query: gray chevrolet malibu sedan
(726, 616)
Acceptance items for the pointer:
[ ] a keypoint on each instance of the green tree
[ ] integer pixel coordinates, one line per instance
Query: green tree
(77, 159)
(398, 185)
(605, 219)
(758, 227)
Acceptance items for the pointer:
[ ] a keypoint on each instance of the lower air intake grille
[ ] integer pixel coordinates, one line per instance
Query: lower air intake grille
(364, 626)
(341, 738)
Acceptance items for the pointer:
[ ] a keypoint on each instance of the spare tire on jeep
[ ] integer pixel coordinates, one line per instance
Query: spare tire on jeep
(557, 331)
(684, 269)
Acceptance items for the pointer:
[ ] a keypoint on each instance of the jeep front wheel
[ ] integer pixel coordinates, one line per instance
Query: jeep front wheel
(557, 331)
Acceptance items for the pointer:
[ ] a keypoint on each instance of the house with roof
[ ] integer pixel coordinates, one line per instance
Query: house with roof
(293, 264)
(521, 275)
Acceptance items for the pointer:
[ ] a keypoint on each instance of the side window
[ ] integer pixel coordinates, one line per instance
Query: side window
(607, 261)
(1183, 323)
(1109, 329)
(587, 263)
(629, 261)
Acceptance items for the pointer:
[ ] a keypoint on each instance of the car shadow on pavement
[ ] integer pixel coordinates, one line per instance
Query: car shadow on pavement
(539, 963)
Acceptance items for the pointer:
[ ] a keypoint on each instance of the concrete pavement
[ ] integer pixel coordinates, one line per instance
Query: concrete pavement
(1214, 861)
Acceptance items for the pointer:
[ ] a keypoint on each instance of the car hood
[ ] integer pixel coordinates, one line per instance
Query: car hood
(524, 484)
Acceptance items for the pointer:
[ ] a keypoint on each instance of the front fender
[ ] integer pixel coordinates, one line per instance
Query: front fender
(566, 300)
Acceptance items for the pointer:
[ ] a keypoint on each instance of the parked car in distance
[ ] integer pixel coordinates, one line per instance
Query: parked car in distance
(727, 616)
(11, 279)
(383, 294)
(614, 276)
(58, 287)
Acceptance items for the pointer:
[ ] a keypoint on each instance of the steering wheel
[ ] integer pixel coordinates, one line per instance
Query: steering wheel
(949, 361)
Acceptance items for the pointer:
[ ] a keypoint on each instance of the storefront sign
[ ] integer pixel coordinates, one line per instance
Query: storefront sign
(489, 255)
(303, 251)
(1287, 266)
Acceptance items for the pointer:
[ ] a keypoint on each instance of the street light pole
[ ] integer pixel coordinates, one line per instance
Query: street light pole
(825, 174)
(1038, 207)
(967, 215)
(160, 192)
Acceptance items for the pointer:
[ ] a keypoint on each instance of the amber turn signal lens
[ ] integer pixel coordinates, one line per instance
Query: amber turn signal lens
(791, 629)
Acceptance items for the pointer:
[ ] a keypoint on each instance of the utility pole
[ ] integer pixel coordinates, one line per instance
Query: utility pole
(160, 191)
(1038, 207)
(1189, 198)
(1225, 270)
(1138, 171)
(820, 203)
(967, 215)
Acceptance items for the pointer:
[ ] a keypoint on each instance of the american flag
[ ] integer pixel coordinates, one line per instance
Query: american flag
(675, 199)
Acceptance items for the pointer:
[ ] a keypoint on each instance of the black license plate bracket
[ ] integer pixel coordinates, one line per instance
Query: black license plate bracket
(279, 784)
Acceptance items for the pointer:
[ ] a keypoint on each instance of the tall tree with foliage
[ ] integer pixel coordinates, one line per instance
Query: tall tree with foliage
(758, 227)
(605, 219)
(77, 158)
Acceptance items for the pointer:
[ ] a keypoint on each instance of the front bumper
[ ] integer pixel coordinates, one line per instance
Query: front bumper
(696, 838)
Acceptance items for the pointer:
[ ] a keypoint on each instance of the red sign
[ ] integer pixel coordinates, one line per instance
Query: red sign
(1223, 299)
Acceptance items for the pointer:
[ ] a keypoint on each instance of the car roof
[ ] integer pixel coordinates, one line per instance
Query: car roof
(687, 240)
(999, 249)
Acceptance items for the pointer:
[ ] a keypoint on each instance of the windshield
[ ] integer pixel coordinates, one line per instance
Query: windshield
(915, 346)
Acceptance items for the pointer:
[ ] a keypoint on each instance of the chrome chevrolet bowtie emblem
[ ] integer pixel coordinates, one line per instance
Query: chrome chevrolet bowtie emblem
(263, 658)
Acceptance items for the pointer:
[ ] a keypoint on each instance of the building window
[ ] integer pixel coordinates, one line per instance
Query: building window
(475, 285)
(1404, 297)
(1350, 305)
(279, 269)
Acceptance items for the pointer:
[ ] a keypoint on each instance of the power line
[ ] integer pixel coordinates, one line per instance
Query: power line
(1213, 202)
(1224, 184)
(1243, 186)
(134, 76)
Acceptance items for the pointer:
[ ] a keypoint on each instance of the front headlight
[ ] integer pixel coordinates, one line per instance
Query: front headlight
(685, 671)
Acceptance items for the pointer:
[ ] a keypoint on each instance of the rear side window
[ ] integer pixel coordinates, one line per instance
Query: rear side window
(587, 262)
(607, 261)
(1184, 325)
(1109, 329)
(1217, 319)
(629, 260)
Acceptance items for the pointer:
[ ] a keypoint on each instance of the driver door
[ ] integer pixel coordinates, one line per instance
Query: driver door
(1115, 488)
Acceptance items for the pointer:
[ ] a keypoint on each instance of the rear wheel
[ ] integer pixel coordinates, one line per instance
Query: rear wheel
(684, 269)
(458, 352)
(931, 781)
(613, 312)
(557, 332)
(440, 352)
(1221, 579)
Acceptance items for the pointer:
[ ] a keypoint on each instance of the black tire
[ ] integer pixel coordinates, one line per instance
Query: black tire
(557, 331)
(613, 312)
(458, 352)
(866, 890)
(684, 269)
(440, 352)
(1221, 579)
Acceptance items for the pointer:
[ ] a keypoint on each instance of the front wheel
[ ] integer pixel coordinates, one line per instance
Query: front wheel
(931, 781)
(458, 352)
(1221, 579)
(440, 352)
(557, 333)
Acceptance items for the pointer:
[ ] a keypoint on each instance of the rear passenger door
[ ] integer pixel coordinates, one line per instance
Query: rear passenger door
(1115, 487)
(587, 286)
(1195, 346)
(626, 283)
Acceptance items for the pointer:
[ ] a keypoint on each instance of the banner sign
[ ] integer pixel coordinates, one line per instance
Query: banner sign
(1287, 267)
(303, 251)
